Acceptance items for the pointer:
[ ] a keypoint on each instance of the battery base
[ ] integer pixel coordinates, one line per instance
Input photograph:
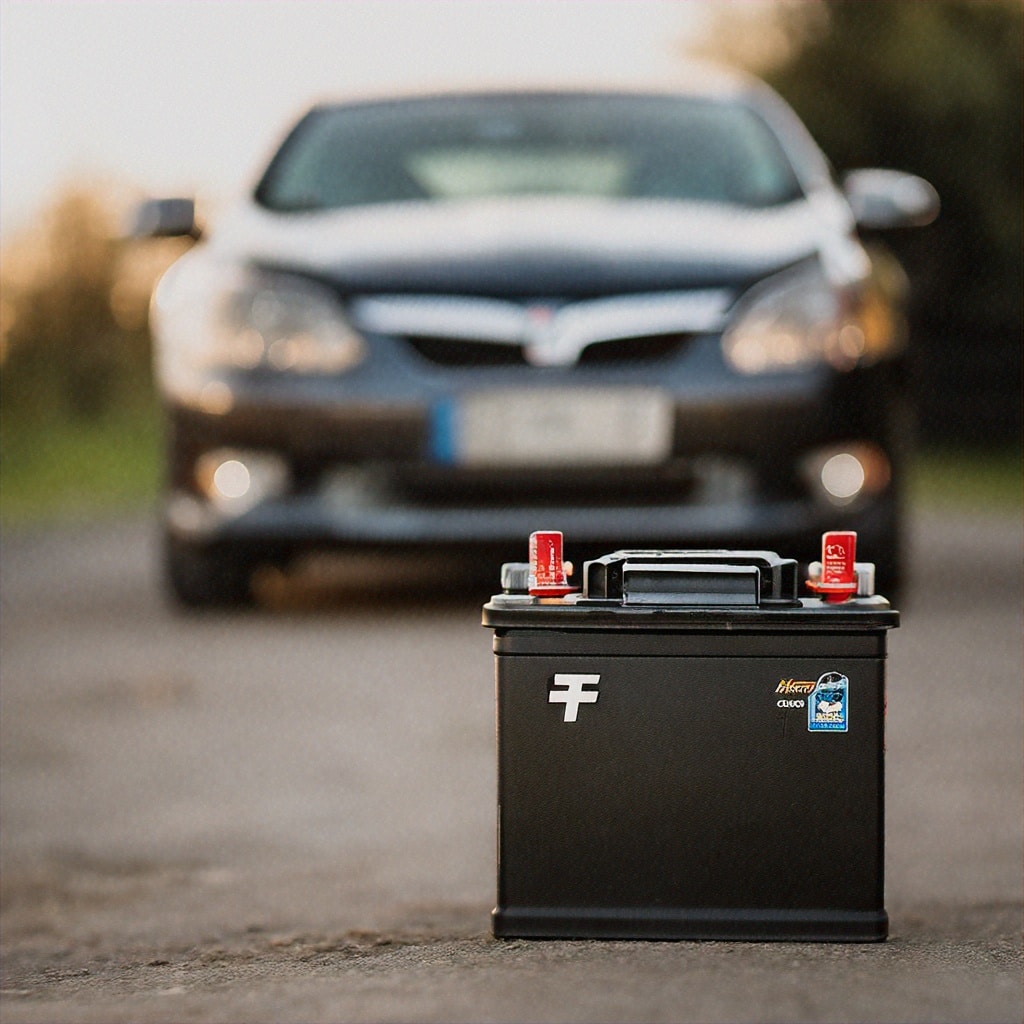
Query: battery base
(683, 924)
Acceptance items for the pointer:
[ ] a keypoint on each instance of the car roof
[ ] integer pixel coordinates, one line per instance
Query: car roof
(697, 80)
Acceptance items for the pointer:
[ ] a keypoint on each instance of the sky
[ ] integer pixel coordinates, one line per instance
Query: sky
(184, 97)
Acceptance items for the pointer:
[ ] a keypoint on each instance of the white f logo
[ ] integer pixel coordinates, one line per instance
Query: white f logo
(573, 695)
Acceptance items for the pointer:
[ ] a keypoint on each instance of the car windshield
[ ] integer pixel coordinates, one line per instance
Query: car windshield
(616, 147)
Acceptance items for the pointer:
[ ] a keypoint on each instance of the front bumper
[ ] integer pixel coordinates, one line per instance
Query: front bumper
(315, 520)
(364, 472)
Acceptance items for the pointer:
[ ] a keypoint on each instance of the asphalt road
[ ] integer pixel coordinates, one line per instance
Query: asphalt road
(289, 815)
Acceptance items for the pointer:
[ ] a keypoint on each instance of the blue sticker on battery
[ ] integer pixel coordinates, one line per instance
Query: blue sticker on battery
(443, 431)
(828, 707)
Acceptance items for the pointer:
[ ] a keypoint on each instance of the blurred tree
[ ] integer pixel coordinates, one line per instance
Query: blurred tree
(69, 352)
(935, 88)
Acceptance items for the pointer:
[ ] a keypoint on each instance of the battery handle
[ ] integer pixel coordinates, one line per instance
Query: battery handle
(708, 578)
(695, 584)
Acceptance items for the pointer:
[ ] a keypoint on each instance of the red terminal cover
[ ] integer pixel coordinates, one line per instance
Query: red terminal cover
(547, 569)
(838, 580)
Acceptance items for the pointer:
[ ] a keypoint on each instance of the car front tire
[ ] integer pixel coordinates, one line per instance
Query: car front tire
(198, 576)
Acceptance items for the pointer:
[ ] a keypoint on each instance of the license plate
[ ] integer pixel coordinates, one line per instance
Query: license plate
(593, 427)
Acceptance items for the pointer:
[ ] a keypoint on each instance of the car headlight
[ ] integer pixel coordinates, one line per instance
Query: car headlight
(795, 320)
(211, 319)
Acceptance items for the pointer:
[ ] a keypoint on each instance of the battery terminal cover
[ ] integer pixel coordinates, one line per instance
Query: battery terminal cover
(838, 576)
(547, 576)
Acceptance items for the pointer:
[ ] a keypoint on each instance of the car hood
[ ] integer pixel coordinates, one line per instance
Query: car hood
(537, 247)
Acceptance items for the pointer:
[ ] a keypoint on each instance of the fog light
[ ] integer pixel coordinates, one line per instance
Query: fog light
(232, 480)
(843, 475)
(236, 481)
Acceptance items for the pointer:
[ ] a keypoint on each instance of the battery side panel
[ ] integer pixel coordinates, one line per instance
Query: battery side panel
(691, 796)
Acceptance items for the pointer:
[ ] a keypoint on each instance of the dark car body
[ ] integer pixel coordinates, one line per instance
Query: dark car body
(644, 319)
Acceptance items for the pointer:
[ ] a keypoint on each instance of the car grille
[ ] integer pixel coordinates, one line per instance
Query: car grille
(454, 352)
(463, 352)
(468, 331)
(629, 350)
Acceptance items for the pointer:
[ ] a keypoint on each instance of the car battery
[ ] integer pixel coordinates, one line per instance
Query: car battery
(687, 749)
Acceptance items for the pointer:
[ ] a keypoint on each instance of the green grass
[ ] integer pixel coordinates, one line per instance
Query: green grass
(60, 471)
(966, 480)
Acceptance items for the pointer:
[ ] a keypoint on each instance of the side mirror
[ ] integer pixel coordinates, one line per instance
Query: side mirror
(165, 218)
(883, 199)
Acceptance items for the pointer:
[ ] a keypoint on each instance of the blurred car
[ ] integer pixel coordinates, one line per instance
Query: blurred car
(643, 318)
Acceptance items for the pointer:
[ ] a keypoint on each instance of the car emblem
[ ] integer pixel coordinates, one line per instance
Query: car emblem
(542, 336)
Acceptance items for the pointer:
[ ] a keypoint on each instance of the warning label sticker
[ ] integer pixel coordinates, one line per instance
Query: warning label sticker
(828, 707)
